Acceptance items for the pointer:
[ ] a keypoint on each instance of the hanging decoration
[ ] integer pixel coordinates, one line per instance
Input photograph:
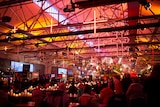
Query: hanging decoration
(51, 26)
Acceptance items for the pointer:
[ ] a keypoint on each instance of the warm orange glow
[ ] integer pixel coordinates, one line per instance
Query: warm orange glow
(17, 42)
(7, 48)
(19, 35)
(2, 37)
(154, 8)
(48, 39)
(143, 39)
(73, 45)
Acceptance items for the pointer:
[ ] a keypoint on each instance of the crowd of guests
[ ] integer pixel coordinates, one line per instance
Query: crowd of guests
(113, 92)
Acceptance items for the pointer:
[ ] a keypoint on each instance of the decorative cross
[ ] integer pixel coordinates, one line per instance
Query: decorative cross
(96, 29)
(14, 29)
(51, 26)
(120, 40)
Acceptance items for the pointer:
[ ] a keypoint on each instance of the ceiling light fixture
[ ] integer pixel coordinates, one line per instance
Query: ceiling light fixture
(41, 60)
(37, 45)
(147, 5)
(8, 37)
(70, 7)
(6, 19)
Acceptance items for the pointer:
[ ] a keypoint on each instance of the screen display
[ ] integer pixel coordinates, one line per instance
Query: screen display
(62, 71)
(70, 72)
(18, 66)
(53, 75)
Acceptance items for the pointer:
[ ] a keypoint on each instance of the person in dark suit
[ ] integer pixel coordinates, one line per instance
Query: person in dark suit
(152, 88)
(4, 101)
(37, 98)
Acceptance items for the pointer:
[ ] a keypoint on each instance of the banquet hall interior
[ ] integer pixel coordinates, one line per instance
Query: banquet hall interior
(76, 40)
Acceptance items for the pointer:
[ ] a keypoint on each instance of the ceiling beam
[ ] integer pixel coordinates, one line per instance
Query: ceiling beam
(12, 2)
(133, 11)
(141, 26)
(93, 38)
(150, 17)
(94, 3)
(94, 47)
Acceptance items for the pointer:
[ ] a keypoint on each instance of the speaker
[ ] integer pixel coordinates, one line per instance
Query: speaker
(6, 19)
(26, 68)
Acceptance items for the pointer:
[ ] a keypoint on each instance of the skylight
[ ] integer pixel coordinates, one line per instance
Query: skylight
(58, 16)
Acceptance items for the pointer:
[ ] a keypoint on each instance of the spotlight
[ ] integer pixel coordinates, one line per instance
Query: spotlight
(37, 45)
(41, 60)
(8, 37)
(145, 3)
(6, 19)
(69, 8)
(64, 54)
(147, 6)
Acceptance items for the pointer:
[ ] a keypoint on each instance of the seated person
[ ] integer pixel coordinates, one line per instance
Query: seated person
(117, 100)
(37, 98)
(72, 89)
(105, 94)
(87, 99)
(4, 102)
(58, 98)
